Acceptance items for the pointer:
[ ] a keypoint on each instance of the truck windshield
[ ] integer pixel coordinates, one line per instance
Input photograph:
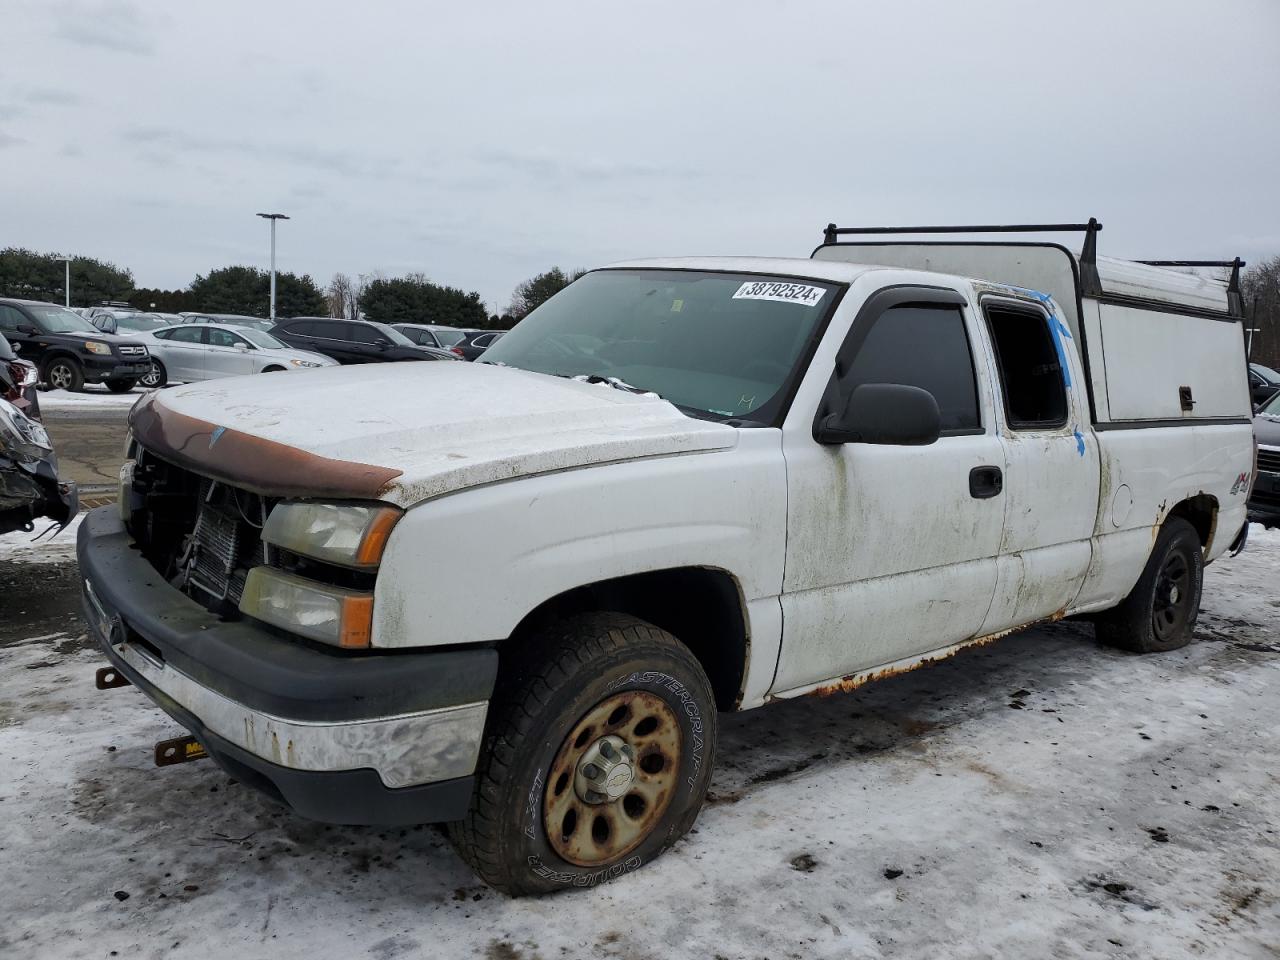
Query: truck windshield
(719, 343)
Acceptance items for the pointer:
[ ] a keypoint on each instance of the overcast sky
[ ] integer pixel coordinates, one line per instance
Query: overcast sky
(483, 142)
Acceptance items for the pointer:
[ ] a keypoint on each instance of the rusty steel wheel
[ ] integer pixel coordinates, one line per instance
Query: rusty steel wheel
(613, 778)
(597, 755)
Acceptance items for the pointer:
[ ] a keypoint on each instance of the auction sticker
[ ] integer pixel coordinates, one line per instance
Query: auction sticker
(780, 291)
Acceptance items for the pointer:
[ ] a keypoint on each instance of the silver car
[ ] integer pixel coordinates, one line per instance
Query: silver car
(205, 351)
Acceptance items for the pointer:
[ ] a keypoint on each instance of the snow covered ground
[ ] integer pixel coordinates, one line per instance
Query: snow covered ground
(1041, 797)
(19, 547)
(91, 396)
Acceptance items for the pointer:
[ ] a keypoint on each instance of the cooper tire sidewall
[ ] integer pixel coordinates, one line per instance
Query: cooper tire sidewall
(543, 868)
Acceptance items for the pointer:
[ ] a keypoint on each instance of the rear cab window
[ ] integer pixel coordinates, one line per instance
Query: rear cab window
(1030, 366)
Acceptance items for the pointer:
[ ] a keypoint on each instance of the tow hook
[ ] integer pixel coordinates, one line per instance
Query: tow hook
(178, 750)
(108, 677)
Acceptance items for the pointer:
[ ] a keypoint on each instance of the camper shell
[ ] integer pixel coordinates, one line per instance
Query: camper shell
(1154, 339)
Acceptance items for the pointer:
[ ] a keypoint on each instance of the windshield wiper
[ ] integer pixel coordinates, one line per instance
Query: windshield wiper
(616, 383)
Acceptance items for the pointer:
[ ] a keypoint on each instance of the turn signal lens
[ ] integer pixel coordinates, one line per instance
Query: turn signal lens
(333, 615)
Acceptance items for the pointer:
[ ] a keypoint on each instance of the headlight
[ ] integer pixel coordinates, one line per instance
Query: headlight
(349, 535)
(98, 347)
(329, 614)
(304, 363)
(20, 436)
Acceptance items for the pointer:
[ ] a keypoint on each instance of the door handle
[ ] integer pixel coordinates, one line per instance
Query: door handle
(985, 482)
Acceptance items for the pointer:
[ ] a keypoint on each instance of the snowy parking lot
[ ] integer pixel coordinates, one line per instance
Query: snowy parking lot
(1042, 796)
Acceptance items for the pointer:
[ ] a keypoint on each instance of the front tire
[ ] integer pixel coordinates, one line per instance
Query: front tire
(1160, 612)
(64, 373)
(596, 758)
(156, 377)
(121, 386)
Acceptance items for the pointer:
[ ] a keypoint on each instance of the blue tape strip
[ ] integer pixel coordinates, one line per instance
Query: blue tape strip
(1079, 443)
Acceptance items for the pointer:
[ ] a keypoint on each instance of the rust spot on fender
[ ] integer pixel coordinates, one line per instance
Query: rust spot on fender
(254, 463)
(855, 680)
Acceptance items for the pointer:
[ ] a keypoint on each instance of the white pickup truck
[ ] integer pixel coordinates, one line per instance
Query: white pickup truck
(513, 595)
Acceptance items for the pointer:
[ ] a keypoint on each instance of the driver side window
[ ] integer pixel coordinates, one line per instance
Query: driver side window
(10, 319)
(922, 345)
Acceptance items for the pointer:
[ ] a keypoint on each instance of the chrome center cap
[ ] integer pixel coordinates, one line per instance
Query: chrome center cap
(1174, 594)
(605, 771)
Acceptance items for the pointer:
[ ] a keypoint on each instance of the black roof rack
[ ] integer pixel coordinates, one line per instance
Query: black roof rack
(1093, 226)
(1090, 282)
(1235, 302)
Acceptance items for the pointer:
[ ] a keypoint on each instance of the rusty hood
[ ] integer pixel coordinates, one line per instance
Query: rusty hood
(407, 432)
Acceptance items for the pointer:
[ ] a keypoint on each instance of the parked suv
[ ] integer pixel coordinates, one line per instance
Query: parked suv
(350, 341)
(69, 350)
(1264, 499)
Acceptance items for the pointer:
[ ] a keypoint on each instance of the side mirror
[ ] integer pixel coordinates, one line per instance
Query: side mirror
(242, 347)
(28, 329)
(381, 344)
(884, 413)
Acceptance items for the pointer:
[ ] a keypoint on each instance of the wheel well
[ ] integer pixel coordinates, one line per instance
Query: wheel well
(274, 368)
(1201, 511)
(56, 355)
(700, 606)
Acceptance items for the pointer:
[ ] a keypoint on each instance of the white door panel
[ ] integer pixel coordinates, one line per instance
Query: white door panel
(889, 554)
(893, 558)
(1050, 490)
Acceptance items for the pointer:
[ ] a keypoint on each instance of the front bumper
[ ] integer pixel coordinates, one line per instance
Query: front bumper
(97, 369)
(342, 738)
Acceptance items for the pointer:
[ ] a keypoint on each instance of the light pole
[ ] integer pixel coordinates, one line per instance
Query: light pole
(66, 286)
(273, 217)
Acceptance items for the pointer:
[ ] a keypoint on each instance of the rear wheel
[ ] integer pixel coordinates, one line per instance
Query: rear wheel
(64, 373)
(157, 376)
(1160, 612)
(122, 386)
(596, 759)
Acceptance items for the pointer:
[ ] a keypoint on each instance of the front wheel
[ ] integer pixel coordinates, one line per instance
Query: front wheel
(122, 386)
(1160, 612)
(156, 376)
(63, 373)
(596, 759)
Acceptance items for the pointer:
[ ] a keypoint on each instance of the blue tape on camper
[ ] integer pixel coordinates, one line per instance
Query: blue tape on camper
(1079, 443)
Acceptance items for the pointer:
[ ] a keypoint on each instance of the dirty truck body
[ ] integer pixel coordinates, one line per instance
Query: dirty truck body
(515, 601)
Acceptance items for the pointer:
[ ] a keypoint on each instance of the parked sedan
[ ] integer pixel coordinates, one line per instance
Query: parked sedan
(353, 341)
(226, 319)
(1264, 383)
(476, 342)
(205, 351)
